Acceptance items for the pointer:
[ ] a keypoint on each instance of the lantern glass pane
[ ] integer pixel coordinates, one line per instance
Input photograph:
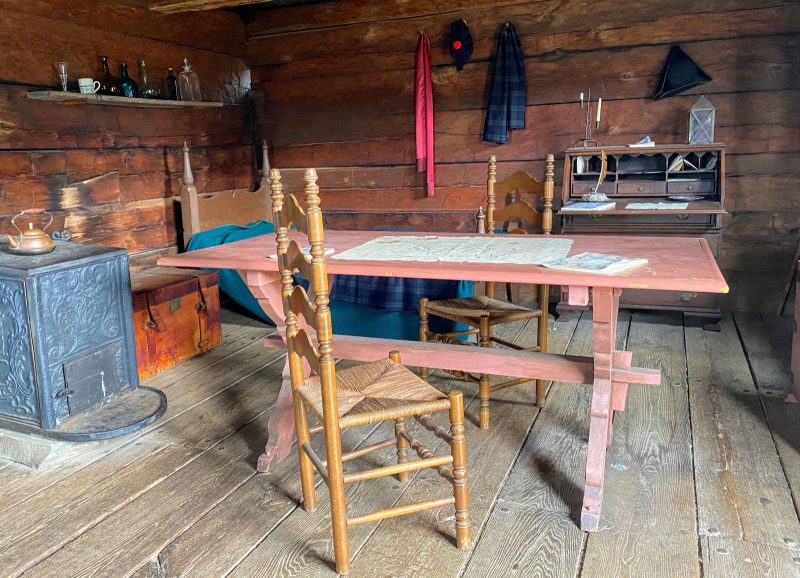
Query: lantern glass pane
(701, 122)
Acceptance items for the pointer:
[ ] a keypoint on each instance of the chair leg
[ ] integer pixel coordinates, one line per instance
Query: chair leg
(335, 466)
(306, 467)
(541, 339)
(423, 331)
(458, 448)
(402, 446)
(484, 392)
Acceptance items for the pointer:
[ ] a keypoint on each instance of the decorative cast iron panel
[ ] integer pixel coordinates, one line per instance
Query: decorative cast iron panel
(81, 310)
(17, 385)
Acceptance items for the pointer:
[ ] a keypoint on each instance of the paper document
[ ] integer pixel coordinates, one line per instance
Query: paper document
(595, 263)
(589, 206)
(505, 249)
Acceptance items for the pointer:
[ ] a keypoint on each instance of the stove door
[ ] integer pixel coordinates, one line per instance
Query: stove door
(90, 379)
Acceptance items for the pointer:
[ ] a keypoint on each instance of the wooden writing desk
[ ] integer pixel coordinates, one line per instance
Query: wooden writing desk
(675, 264)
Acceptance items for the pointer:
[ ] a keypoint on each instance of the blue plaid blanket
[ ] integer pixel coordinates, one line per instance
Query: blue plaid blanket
(509, 93)
(390, 293)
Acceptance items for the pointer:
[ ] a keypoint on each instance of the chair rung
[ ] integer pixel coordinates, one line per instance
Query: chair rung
(512, 383)
(368, 449)
(424, 452)
(461, 333)
(318, 464)
(512, 345)
(400, 511)
(430, 424)
(434, 462)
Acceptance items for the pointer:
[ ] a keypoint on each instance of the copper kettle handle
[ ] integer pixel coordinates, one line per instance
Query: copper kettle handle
(31, 211)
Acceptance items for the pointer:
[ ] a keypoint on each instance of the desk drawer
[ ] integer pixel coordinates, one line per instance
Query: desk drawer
(690, 186)
(598, 218)
(641, 188)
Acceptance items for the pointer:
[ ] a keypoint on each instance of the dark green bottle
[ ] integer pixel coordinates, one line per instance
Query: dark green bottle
(109, 84)
(128, 85)
(171, 85)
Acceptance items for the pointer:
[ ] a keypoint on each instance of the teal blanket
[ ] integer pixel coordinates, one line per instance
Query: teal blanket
(362, 309)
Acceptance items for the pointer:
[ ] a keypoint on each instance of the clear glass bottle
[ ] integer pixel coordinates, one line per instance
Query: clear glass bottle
(171, 86)
(147, 89)
(188, 83)
(109, 84)
(129, 87)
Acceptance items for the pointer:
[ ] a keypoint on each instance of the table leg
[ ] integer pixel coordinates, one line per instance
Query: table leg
(606, 397)
(266, 288)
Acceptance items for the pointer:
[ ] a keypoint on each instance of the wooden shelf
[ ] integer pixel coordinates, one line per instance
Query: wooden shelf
(78, 98)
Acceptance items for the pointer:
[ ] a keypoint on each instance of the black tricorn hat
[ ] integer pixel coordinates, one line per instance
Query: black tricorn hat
(460, 44)
(680, 73)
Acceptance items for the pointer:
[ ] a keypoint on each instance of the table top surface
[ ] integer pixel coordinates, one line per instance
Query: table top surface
(674, 263)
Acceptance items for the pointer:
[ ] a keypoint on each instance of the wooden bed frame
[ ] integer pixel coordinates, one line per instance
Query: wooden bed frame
(232, 206)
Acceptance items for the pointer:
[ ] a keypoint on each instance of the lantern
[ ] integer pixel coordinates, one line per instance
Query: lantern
(701, 122)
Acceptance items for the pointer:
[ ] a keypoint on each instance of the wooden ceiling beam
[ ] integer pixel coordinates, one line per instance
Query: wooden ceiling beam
(174, 6)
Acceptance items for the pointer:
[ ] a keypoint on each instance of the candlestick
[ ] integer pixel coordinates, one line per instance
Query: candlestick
(586, 106)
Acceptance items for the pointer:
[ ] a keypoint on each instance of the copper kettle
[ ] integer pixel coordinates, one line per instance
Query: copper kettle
(33, 240)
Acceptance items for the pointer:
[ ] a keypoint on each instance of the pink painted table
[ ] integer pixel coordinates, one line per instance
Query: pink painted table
(678, 264)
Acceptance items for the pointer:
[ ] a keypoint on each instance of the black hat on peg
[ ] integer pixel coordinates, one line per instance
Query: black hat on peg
(680, 73)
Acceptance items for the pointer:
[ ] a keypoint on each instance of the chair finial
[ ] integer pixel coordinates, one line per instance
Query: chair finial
(276, 195)
(481, 227)
(188, 177)
(491, 178)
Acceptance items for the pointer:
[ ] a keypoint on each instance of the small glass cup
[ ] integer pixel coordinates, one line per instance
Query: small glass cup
(62, 74)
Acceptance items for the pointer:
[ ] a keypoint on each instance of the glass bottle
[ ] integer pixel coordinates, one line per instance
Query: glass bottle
(147, 89)
(109, 84)
(188, 83)
(171, 84)
(128, 85)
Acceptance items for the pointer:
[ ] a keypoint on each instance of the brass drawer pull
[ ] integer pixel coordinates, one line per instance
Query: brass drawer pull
(686, 297)
(682, 216)
(640, 188)
(690, 188)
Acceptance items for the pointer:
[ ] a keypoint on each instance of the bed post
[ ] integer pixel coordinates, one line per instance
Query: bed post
(190, 212)
(264, 165)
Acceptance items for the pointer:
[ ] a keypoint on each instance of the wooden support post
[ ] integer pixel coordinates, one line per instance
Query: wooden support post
(606, 306)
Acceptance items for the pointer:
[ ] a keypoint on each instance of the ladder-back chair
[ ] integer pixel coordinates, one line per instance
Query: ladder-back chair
(364, 394)
(482, 313)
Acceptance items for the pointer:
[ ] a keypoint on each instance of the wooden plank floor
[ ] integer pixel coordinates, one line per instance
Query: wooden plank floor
(703, 475)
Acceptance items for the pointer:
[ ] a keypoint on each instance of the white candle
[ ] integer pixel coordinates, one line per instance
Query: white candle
(599, 105)
(581, 100)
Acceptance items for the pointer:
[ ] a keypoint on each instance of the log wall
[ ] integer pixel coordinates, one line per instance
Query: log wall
(109, 174)
(336, 81)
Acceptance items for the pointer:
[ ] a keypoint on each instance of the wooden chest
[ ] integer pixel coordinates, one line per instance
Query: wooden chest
(175, 317)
